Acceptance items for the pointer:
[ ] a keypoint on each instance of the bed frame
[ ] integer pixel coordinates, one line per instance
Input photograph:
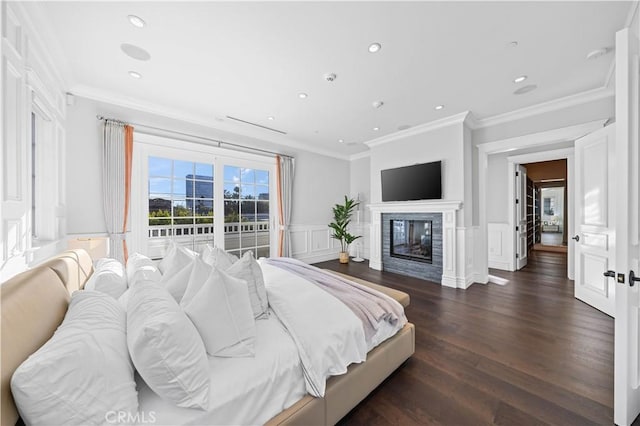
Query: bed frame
(33, 305)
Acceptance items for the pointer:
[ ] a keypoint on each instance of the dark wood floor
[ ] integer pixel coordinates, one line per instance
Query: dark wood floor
(522, 353)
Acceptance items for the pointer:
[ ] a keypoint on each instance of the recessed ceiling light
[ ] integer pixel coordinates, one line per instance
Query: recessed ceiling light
(439, 107)
(520, 79)
(136, 21)
(302, 95)
(270, 118)
(374, 47)
(135, 75)
(525, 89)
(341, 140)
(375, 129)
(377, 104)
(135, 52)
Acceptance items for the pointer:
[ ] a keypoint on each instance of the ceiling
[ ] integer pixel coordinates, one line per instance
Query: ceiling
(250, 60)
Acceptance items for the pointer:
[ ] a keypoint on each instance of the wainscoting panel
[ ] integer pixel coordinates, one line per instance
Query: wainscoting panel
(313, 243)
(299, 242)
(498, 246)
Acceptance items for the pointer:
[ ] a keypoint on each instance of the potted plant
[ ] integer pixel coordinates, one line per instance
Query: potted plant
(341, 219)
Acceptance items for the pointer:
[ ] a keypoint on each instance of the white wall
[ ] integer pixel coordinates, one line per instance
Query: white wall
(440, 144)
(320, 181)
(360, 184)
(497, 188)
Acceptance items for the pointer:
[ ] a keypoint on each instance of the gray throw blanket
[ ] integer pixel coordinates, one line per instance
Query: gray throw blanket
(370, 306)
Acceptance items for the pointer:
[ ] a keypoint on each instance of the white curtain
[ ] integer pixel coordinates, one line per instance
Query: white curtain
(285, 171)
(116, 184)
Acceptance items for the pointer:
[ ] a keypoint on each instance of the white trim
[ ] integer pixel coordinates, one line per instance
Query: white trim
(562, 134)
(421, 128)
(38, 30)
(496, 264)
(536, 157)
(545, 107)
(414, 206)
(540, 139)
(167, 112)
(360, 155)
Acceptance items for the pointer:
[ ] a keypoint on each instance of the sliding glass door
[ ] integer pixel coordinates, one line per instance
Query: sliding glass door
(195, 196)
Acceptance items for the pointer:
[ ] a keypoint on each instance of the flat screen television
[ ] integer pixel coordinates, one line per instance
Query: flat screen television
(416, 182)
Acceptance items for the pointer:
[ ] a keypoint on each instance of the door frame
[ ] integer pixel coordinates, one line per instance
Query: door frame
(536, 157)
(538, 140)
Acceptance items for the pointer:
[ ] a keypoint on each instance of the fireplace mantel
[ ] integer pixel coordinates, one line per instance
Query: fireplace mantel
(435, 206)
(450, 252)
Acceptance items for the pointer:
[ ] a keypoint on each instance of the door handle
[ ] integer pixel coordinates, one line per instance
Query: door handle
(632, 278)
(577, 238)
(610, 274)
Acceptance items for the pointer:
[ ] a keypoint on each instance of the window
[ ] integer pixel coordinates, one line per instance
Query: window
(194, 196)
(246, 211)
(180, 203)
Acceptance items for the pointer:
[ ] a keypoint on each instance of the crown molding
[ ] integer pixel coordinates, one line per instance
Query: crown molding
(550, 106)
(151, 108)
(422, 128)
(360, 155)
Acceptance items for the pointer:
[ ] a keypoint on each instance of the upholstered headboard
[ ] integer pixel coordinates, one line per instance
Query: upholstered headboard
(33, 305)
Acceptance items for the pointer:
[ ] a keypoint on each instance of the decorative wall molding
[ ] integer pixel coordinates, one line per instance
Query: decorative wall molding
(498, 235)
(313, 243)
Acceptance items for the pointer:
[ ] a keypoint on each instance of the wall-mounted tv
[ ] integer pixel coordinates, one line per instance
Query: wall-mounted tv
(416, 182)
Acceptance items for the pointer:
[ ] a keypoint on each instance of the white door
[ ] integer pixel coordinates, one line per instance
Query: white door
(595, 219)
(626, 361)
(521, 217)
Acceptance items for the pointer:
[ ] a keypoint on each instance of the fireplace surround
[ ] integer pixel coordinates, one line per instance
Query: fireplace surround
(419, 244)
(451, 259)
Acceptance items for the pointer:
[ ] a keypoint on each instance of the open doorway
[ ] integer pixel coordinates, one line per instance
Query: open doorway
(547, 215)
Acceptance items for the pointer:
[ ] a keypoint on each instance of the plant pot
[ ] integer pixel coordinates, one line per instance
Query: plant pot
(344, 257)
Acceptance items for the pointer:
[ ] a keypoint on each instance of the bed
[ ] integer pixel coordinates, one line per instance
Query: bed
(34, 304)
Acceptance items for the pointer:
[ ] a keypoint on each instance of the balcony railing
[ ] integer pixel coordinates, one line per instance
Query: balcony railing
(205, 230)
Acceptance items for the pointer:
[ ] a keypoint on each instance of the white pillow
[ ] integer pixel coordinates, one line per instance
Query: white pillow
(141, 268)
(217, 257)
(108, 277)
(166, 348)
(176, 283)
(248, 269)
(199, 275)
(221, 311)
(83, 372)
(177, 257)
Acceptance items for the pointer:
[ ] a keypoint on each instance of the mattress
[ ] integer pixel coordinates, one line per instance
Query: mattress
(242, 390)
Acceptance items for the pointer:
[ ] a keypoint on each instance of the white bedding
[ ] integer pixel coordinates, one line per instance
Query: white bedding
(243, 390)
(322, 338)
(327, 333)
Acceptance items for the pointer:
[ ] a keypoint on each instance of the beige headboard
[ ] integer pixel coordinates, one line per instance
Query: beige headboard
(33, 305)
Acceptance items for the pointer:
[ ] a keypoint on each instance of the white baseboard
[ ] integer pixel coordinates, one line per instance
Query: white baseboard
(315, 258)
(504, 266)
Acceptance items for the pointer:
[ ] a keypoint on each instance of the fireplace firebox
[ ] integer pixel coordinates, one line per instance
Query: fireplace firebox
(411, 239)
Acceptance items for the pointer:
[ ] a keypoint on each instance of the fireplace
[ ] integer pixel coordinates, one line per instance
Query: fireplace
(411, 239)
(449, 259)
(412, 244)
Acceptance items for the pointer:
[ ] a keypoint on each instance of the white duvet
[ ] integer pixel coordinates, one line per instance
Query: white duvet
(309, 336)
(328, 335)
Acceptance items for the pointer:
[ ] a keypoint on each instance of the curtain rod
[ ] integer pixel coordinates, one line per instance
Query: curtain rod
(175, 132)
